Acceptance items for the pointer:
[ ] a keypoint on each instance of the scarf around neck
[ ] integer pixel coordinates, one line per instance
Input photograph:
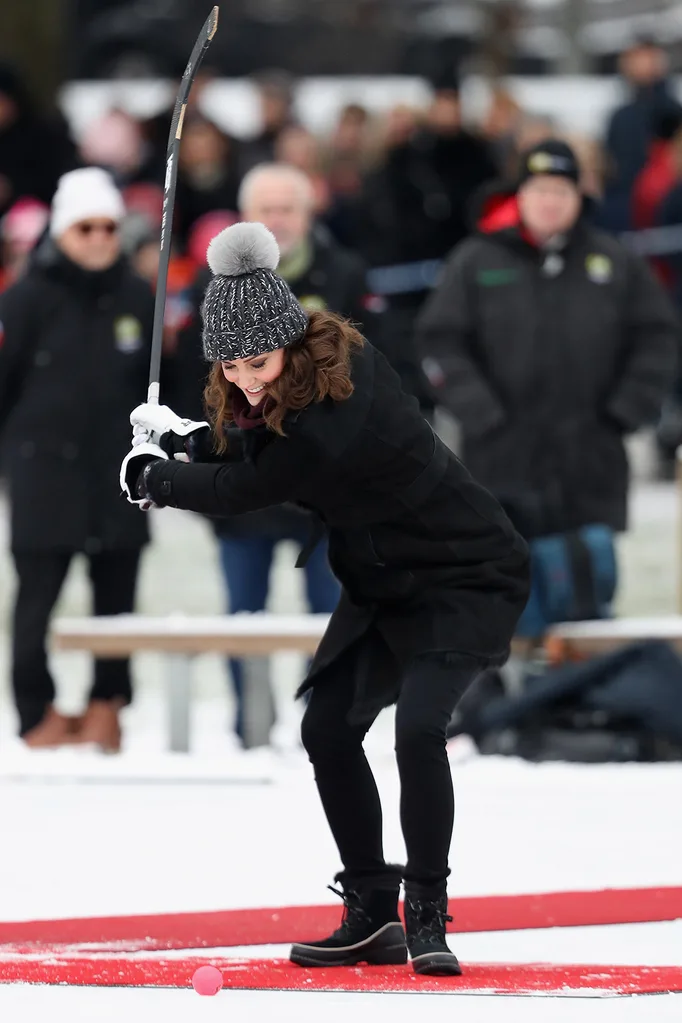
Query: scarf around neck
(245, 415)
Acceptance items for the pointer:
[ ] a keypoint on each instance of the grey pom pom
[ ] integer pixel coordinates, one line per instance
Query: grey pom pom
(241, 249)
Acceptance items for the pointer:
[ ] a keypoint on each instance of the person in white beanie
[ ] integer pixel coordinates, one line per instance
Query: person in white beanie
(74, 355)
(87, 210)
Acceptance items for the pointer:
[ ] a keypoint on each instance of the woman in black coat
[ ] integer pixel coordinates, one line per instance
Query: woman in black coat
(434, 576)
(74, 354)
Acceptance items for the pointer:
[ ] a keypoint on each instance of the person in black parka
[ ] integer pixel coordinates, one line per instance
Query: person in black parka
(434, 575)
(549, 342)
(322, 275)
(74, 356)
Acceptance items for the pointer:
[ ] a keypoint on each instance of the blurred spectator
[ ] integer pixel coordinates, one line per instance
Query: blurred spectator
(347, 173)
(349, 139)
(141, 244)
(400, 126)
(501, 127)
(144, 199)
(347, 151)
(204, 230)
(298, 147)
(654, 182)
(207, 174)
(531, 130)
(414, 208)
(20, 229)
(34, 151)
(345, 159)
(155, 130)
(549, 342)
(592, 164)
(632, 126)
(669, 215)
(322, 276)
(73, 361)
(658, 174)
(115, 143)
(276, 100)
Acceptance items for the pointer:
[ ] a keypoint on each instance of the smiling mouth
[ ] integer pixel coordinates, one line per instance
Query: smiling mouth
(255, 390)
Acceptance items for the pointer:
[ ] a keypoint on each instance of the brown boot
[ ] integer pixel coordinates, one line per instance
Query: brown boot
(101, 725)
(54, 730)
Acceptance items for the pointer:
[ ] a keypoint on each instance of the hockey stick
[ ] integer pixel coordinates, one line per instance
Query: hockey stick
(172, 153)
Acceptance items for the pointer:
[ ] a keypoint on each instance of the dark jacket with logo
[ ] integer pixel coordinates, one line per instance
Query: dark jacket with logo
(547, 360)
(74, 360)
(427, 559)
(335, 280)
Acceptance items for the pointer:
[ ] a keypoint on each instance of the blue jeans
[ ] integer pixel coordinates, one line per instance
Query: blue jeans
(246, 562)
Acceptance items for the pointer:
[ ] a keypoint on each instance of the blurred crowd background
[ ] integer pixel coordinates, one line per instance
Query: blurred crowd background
(401, 116)
(394, 181)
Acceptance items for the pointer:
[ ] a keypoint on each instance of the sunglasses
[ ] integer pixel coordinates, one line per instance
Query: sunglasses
(86, 228)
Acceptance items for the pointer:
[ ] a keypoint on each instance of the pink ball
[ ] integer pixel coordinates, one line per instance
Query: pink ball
(207, 980)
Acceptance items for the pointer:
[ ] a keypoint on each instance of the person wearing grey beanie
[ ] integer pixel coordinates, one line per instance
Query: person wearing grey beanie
(434, 576)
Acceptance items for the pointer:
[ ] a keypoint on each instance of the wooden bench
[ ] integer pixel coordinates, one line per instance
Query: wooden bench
(576, 640)
(180, 639)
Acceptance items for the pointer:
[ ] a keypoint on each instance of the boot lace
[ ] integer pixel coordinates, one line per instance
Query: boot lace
(428, 921)
(354, 915)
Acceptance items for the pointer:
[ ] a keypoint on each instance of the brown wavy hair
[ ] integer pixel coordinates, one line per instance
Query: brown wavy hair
(315, 368)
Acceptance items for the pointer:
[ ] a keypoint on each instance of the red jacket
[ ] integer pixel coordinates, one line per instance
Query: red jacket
(653, 184)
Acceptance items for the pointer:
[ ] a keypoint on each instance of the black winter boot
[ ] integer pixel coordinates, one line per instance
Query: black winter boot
(426, 912)
(370, 932)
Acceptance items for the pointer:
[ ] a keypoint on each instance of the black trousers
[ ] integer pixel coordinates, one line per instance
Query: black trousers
(431, 688)
(40, 578)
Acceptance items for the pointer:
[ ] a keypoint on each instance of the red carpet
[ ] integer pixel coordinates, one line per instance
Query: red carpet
(289, 924)
(478, 978)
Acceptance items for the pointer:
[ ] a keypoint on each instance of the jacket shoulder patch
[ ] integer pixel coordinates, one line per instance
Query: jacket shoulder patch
(127, 334)
(599, 268)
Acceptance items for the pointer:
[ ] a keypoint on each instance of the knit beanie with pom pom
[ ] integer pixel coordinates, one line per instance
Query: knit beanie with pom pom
(248, 309)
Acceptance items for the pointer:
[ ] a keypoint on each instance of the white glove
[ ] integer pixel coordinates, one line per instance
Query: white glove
(131, 467)
(152, 422)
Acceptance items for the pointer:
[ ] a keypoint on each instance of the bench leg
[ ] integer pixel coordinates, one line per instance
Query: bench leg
(258, 709)
(178, 697)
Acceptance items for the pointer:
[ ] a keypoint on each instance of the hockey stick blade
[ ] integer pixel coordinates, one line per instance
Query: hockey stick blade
(203, 40)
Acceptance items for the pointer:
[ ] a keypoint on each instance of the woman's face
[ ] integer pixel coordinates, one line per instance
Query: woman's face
(253, 375)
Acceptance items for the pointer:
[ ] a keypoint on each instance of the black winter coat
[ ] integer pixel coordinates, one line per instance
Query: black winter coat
(335, 280)
(426, 557)
(74, 361)
(547, 373)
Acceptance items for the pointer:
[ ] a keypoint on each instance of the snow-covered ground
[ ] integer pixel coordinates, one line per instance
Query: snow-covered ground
(60, 1005)
(74, 849)
(151, 833)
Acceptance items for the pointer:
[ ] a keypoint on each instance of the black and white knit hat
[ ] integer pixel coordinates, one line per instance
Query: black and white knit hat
(248, 309)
